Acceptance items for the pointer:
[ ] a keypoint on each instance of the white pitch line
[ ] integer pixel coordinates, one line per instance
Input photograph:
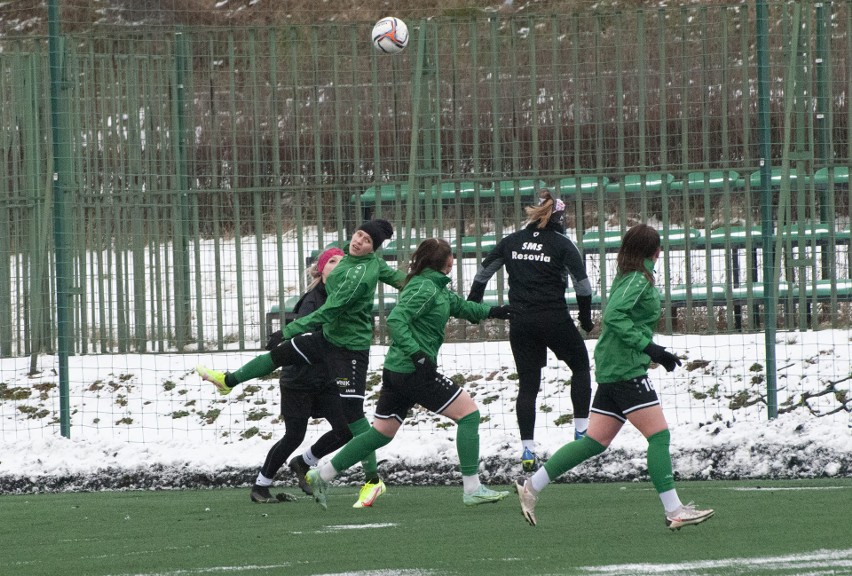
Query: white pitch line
(362, 526)
(819, 559)
(792, 488)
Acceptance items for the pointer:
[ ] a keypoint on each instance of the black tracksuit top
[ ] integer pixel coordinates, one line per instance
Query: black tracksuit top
(539, 263)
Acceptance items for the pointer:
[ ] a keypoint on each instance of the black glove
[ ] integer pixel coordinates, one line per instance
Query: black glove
(584, 306)
(477, 292)
(659, 355)
(275, 339)
(502, 312)
(423, 365)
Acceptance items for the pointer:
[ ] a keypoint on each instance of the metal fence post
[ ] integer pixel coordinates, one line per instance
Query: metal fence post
(61, 241)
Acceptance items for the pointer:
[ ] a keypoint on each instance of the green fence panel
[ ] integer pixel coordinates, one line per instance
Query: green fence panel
(201, 149)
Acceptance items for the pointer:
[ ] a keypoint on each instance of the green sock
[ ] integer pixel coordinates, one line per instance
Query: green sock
(359, 447)
(467, 443)
(254, 368)
(572, 454)
(660, 461)
(368, 460)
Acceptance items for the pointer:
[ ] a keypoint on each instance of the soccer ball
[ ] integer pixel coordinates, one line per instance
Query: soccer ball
(390, 35)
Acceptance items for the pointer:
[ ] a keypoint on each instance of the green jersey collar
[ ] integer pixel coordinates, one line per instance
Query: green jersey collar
(439, 278)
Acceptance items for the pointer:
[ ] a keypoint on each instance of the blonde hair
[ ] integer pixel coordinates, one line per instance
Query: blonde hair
(313, 277)
(542, 212)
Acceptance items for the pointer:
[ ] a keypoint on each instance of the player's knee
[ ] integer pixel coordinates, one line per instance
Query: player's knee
(591, 446)
(529, 382)
(660, 439)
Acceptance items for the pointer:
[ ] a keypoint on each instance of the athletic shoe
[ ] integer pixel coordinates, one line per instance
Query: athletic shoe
(579, 434)
(318, 486)
(369, 492)
(300, 468)
(523, 486)
(529, 461)
(685, 515)
(261, 495)
(484, 495)
(214, 377)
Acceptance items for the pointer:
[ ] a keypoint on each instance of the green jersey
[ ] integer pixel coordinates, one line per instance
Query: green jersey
(347, 315)
(631, 313)
(419, 320)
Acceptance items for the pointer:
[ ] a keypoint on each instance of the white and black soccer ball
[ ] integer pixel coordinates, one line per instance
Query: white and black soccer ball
(390, 35)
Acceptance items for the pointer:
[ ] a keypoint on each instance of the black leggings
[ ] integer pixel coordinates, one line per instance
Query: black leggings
(293, 437)
(531, 336)
(529, 383)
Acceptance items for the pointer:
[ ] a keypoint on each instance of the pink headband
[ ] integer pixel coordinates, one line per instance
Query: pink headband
(326, 256)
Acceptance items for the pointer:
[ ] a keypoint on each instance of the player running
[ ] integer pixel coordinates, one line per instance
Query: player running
(411, 376)
(622, 356)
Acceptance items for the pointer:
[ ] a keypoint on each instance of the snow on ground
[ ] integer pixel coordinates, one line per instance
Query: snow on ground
(146, 420)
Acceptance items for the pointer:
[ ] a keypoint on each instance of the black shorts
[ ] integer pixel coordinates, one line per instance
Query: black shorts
(618, 399)
(302, 405)
(532, 334)
(400, 392)
(347, 368)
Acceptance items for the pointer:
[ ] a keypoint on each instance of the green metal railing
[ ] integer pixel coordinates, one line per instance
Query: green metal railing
(193, 153)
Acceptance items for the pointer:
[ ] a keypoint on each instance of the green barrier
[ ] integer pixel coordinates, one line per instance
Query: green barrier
(524, 188)
(584, 184)
(630, 183)
(823, 291)
(635, 184)
(387, 193)
(467, 191)
(708, 181)
(775, 178)
(840, 175)
(819, 233)
(673, 239)
(735, 236)
(469, 245)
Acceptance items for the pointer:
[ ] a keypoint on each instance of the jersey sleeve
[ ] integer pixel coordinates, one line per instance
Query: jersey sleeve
(491, 264)
(617, 317)
(389, 276)
(351, 290)
(412, 304)
(472, 311)
(575, 268)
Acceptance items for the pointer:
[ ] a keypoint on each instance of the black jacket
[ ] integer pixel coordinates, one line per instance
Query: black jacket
(539, 263)
(306, 377)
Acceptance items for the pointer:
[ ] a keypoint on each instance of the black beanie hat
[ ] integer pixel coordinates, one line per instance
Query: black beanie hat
(379, 231)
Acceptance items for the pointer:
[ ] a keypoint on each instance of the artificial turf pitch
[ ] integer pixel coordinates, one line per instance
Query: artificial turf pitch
(760, 527)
